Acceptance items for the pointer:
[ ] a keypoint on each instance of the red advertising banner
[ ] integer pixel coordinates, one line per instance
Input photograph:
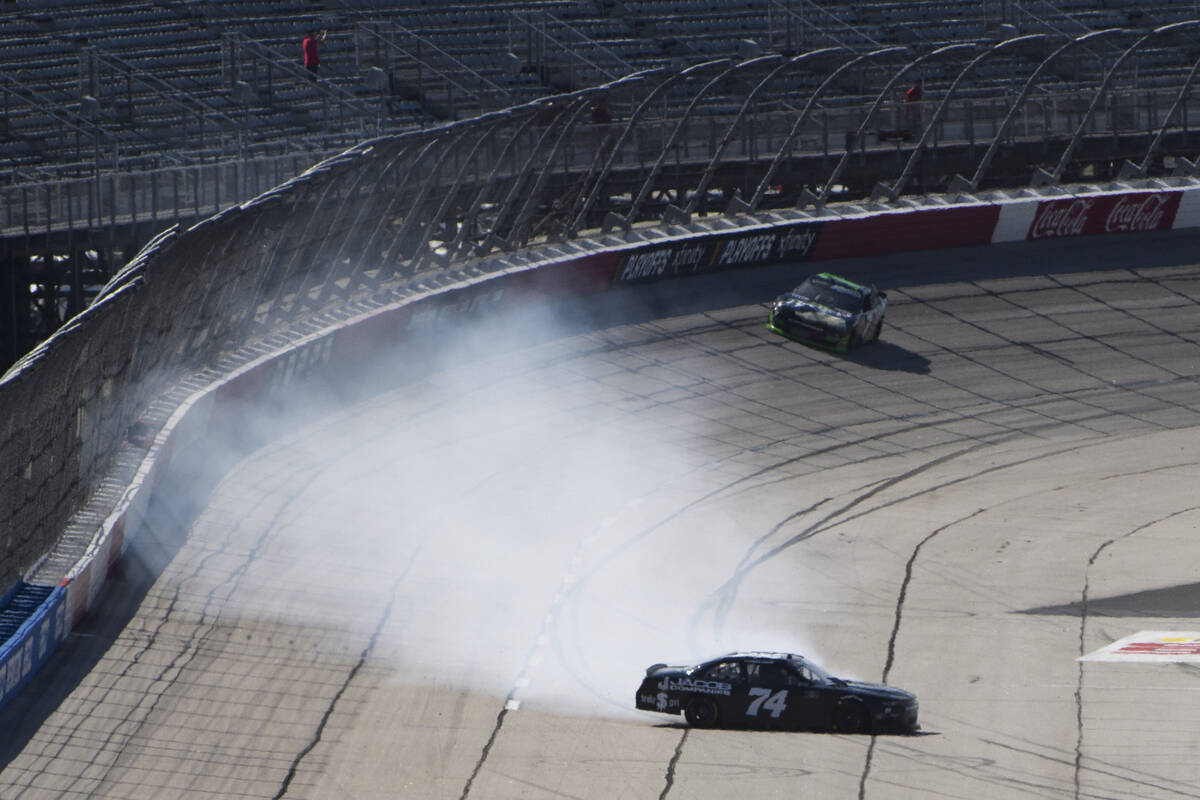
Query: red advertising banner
(1112, 213)
(924, 229)
(579, 276)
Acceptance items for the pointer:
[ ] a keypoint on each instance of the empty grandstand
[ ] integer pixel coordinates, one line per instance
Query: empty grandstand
(120, 119)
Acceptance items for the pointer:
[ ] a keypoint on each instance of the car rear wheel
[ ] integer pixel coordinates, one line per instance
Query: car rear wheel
(701, 712)
(851, 716)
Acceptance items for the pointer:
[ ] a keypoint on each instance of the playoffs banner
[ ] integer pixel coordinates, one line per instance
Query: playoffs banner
(718, 252)
(1120, 213)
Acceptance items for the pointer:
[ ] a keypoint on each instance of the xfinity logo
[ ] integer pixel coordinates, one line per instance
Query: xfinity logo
(798, 242)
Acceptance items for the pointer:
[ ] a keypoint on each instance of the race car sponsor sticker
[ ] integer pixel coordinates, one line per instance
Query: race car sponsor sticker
(694, 685)
(1152, 647)
(698, 255)
(660, 701)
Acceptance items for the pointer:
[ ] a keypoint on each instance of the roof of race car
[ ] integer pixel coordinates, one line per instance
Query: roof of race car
(766, 655)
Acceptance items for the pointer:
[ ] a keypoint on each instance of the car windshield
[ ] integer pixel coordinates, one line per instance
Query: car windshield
(830, 295)
(809, 670)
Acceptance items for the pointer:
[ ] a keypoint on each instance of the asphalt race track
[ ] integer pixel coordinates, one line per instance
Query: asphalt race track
(451, 590)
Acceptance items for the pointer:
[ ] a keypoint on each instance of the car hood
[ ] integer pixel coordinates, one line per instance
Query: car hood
(877, 690)
(805, 305)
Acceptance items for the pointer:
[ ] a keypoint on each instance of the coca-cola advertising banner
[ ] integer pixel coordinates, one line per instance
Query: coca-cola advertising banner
(1112, 213)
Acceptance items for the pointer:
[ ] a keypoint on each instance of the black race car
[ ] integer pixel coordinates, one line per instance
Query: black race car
(830, 312)
(775, 690)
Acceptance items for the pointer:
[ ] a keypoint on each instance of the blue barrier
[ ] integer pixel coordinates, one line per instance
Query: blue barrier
(38, 614)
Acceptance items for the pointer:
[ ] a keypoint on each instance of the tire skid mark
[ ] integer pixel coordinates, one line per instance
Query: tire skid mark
(1164, 332)
(550, 631)
(190, 648)
(895, 634)
(827, 522)
(1043, 397)
(1136, 778)
(337, 696)
(838, 366)
(571, 594)
(973, 769)
(1099, 413)
(194, 645)
(1075, 336)
(866, 439)
(908, 575)
(866, 771)
(1083, 621)
(487, 749)
(721, 601)
(669, 778)
(1029, 785)
(724, 596)
(1034, 432)
(819, 428)
(1028, 405)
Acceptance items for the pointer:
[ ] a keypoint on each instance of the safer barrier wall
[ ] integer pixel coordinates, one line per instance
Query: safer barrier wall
(328, 358)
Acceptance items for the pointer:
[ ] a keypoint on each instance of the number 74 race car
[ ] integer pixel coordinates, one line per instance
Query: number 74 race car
(775, 690)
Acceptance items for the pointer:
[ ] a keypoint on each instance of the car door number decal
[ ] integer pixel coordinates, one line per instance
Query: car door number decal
(775, 703)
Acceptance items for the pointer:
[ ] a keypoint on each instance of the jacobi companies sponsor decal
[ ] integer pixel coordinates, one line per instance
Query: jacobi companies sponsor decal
(714, 253)
(694, 685)
(1123, 213)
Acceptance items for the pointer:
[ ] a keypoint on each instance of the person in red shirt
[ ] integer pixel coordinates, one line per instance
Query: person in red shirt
(312, 52)
(912, 106)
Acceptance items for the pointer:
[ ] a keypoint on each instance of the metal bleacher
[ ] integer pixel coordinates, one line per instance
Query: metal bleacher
(233, 65)
(119, 118)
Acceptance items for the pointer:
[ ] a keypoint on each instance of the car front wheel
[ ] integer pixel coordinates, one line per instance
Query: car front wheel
(876, 330)
(851, 716)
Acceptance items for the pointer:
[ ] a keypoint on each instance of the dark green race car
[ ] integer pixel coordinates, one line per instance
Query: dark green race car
(829, 311)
